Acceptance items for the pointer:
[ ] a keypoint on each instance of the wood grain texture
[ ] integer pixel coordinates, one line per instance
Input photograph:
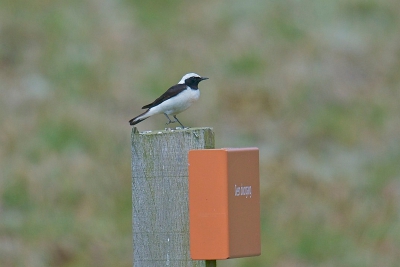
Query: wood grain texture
(160, 196)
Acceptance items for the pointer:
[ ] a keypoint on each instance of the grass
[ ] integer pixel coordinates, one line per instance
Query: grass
(314, 85)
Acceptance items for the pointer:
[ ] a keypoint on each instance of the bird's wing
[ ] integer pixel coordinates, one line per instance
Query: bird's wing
(171, 92)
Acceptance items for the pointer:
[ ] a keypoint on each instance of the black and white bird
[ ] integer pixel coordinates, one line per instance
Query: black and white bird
(176, 99)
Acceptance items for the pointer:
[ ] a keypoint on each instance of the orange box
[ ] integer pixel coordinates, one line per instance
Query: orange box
(224, 203)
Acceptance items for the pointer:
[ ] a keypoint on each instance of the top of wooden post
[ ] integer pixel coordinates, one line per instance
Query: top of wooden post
(170, 130)
(198, 132)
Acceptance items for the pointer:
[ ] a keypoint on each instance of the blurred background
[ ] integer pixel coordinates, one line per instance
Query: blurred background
(314, 84)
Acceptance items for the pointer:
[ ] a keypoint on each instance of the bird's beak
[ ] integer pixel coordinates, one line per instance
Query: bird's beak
(204, 78)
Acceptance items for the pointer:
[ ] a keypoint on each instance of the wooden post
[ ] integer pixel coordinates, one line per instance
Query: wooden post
(160, 196)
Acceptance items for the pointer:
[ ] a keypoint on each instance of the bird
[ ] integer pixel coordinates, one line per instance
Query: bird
(176, 99)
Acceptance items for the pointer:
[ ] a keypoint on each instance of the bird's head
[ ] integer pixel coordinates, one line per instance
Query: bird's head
(192, 80)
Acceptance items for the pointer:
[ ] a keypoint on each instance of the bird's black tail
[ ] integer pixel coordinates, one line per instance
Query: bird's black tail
(138, 119)
(133, 122)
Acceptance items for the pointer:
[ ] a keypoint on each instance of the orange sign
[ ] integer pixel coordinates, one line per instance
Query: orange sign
(224, 203)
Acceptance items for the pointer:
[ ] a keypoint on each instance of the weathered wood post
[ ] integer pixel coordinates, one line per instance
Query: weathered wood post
(160, 196)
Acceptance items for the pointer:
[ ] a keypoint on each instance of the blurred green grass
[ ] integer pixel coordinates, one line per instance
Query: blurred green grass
(314, 85)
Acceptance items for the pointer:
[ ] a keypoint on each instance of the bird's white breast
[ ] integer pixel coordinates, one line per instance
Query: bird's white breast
(178, 103)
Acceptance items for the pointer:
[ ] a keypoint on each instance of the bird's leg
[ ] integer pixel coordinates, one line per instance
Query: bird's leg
(169, 120)
(178, 121)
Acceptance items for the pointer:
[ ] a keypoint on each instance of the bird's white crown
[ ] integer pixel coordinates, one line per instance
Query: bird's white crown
(186, 76)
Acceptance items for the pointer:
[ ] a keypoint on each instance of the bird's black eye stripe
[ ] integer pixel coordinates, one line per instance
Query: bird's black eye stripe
(193, 79)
